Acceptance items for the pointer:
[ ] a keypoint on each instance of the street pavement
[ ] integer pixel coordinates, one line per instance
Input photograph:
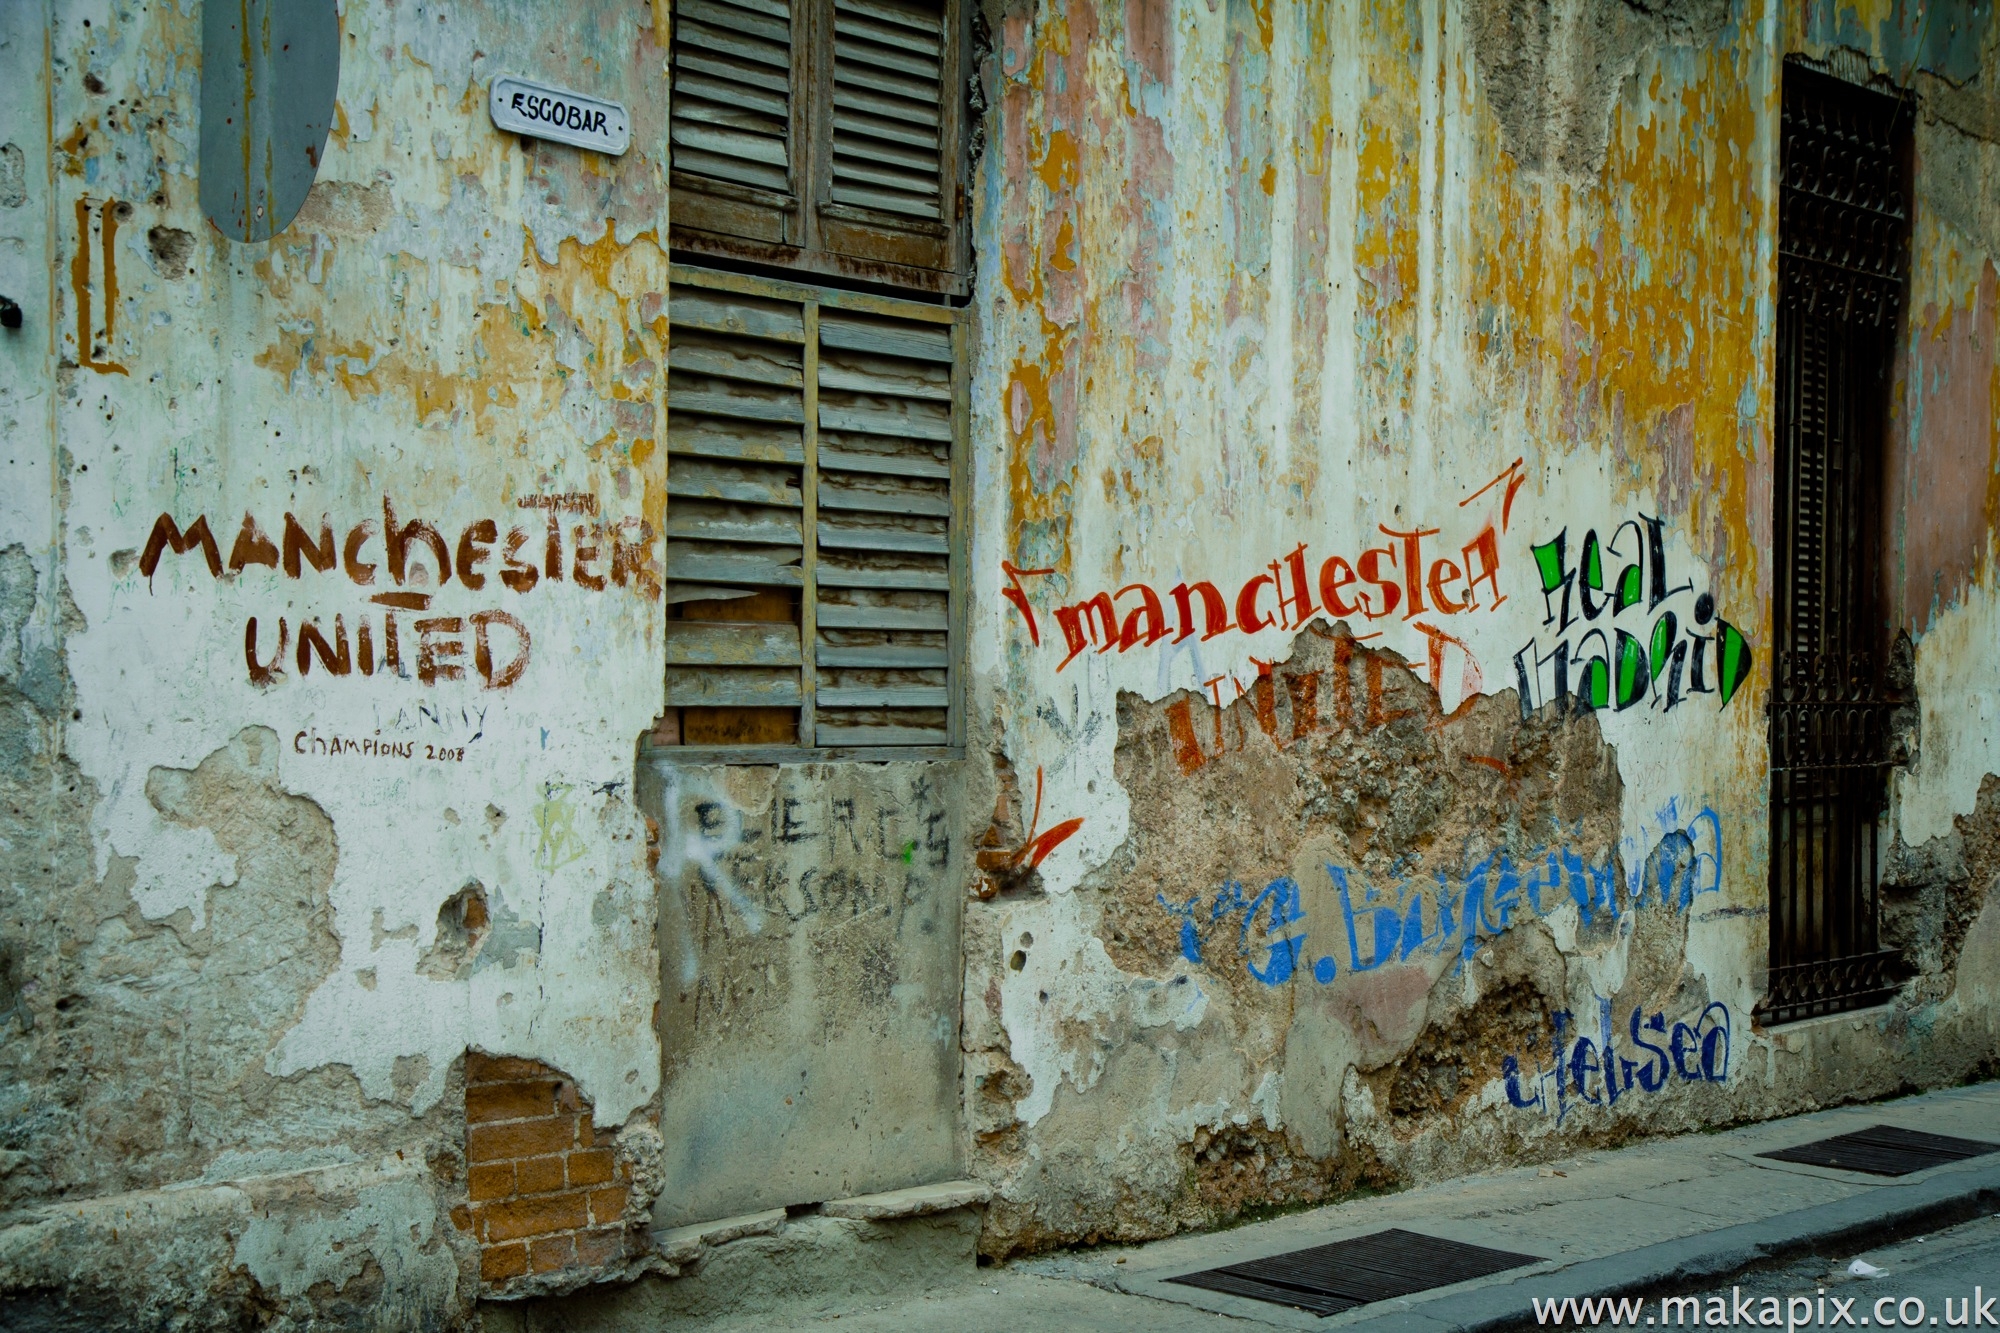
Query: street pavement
(1941, 1270)
(1702, 1214)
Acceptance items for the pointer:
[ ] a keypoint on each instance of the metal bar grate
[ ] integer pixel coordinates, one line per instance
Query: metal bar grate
(1884, 1150)
(1843, 242)
(1327, 1279)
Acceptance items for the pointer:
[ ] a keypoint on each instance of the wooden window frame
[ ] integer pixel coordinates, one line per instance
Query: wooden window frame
(715, 218)
(812, 298)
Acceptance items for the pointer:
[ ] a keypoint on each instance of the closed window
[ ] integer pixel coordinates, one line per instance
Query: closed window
(815, 535)
(815, 433)
(1843, 274)
(822, 135)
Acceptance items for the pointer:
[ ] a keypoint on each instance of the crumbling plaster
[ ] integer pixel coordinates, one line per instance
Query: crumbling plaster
(231, 937)
(1255, 276)
(456, 321)
(1252, 278)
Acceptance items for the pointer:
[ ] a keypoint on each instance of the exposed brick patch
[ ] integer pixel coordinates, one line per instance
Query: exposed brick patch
(599, 1247)
(494, 1180)
(540, 1215)
(521, 1138)
(539, 1175)
(591, 1167)
(543, 1196)
(511, 1101)
(548, 1254)
(497, 1263)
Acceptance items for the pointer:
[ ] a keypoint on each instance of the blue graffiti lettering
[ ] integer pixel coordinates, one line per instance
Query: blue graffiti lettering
(1583, 1072)
(1392, 923)
(1280, 901)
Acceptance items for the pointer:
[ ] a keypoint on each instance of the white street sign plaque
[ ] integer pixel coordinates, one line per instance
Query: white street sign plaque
(542, 112)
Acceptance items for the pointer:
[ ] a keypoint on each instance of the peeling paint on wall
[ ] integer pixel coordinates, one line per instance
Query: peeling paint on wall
(1371, 534)
(336, 630)
(1274, 286)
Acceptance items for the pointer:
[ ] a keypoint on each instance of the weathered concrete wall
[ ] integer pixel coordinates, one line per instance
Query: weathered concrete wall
(1343, 311)
(1337, 363)
(809, 935)
(304, 803)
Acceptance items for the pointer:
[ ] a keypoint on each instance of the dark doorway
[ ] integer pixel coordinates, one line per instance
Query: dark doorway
(1842, 259)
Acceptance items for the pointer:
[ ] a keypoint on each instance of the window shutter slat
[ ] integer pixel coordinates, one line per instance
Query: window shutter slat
(914, 160)
(850, 49)
(888, 71)
(917, 16)
(727, 167)
(740, 360)
(743, 484)
(734, 523)
(730, 103)
(909, 419)
(732, 94)
(881, 615)
(707, 564)
(854, 537)
(837, 572)
(886, 464)
(725, 399)
(752, 316)
(684, 591)
(876, 168)
(868, 375)
(885, 201)
(744, 687)
(748, 442)
(884, 655)
(718, 141)
(739, 48)
(886, 499)
(915, 133)
(914, 341)
(697, 643)
(853, 100)
(886, 389)
(772, 22)
(730, 74)
(883, 696)
(915, 37)
(736, 520)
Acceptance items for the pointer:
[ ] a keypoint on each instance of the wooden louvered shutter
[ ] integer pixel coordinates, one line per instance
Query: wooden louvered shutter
(813, 500)
(888, 127)
(736, 404)
(822, 135)
(887, 390)
(733, 129)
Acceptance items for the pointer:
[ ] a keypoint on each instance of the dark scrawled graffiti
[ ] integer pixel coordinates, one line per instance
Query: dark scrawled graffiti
(1629, 636)
(1641, 1054)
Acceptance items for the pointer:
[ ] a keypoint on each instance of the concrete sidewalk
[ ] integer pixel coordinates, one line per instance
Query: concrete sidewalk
(1663, 1215)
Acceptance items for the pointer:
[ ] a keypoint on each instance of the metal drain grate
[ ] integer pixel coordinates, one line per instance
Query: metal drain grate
(1884, 1150)
(1327, 1279)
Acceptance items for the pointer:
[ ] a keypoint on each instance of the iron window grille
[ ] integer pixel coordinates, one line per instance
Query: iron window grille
(1842, 259)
